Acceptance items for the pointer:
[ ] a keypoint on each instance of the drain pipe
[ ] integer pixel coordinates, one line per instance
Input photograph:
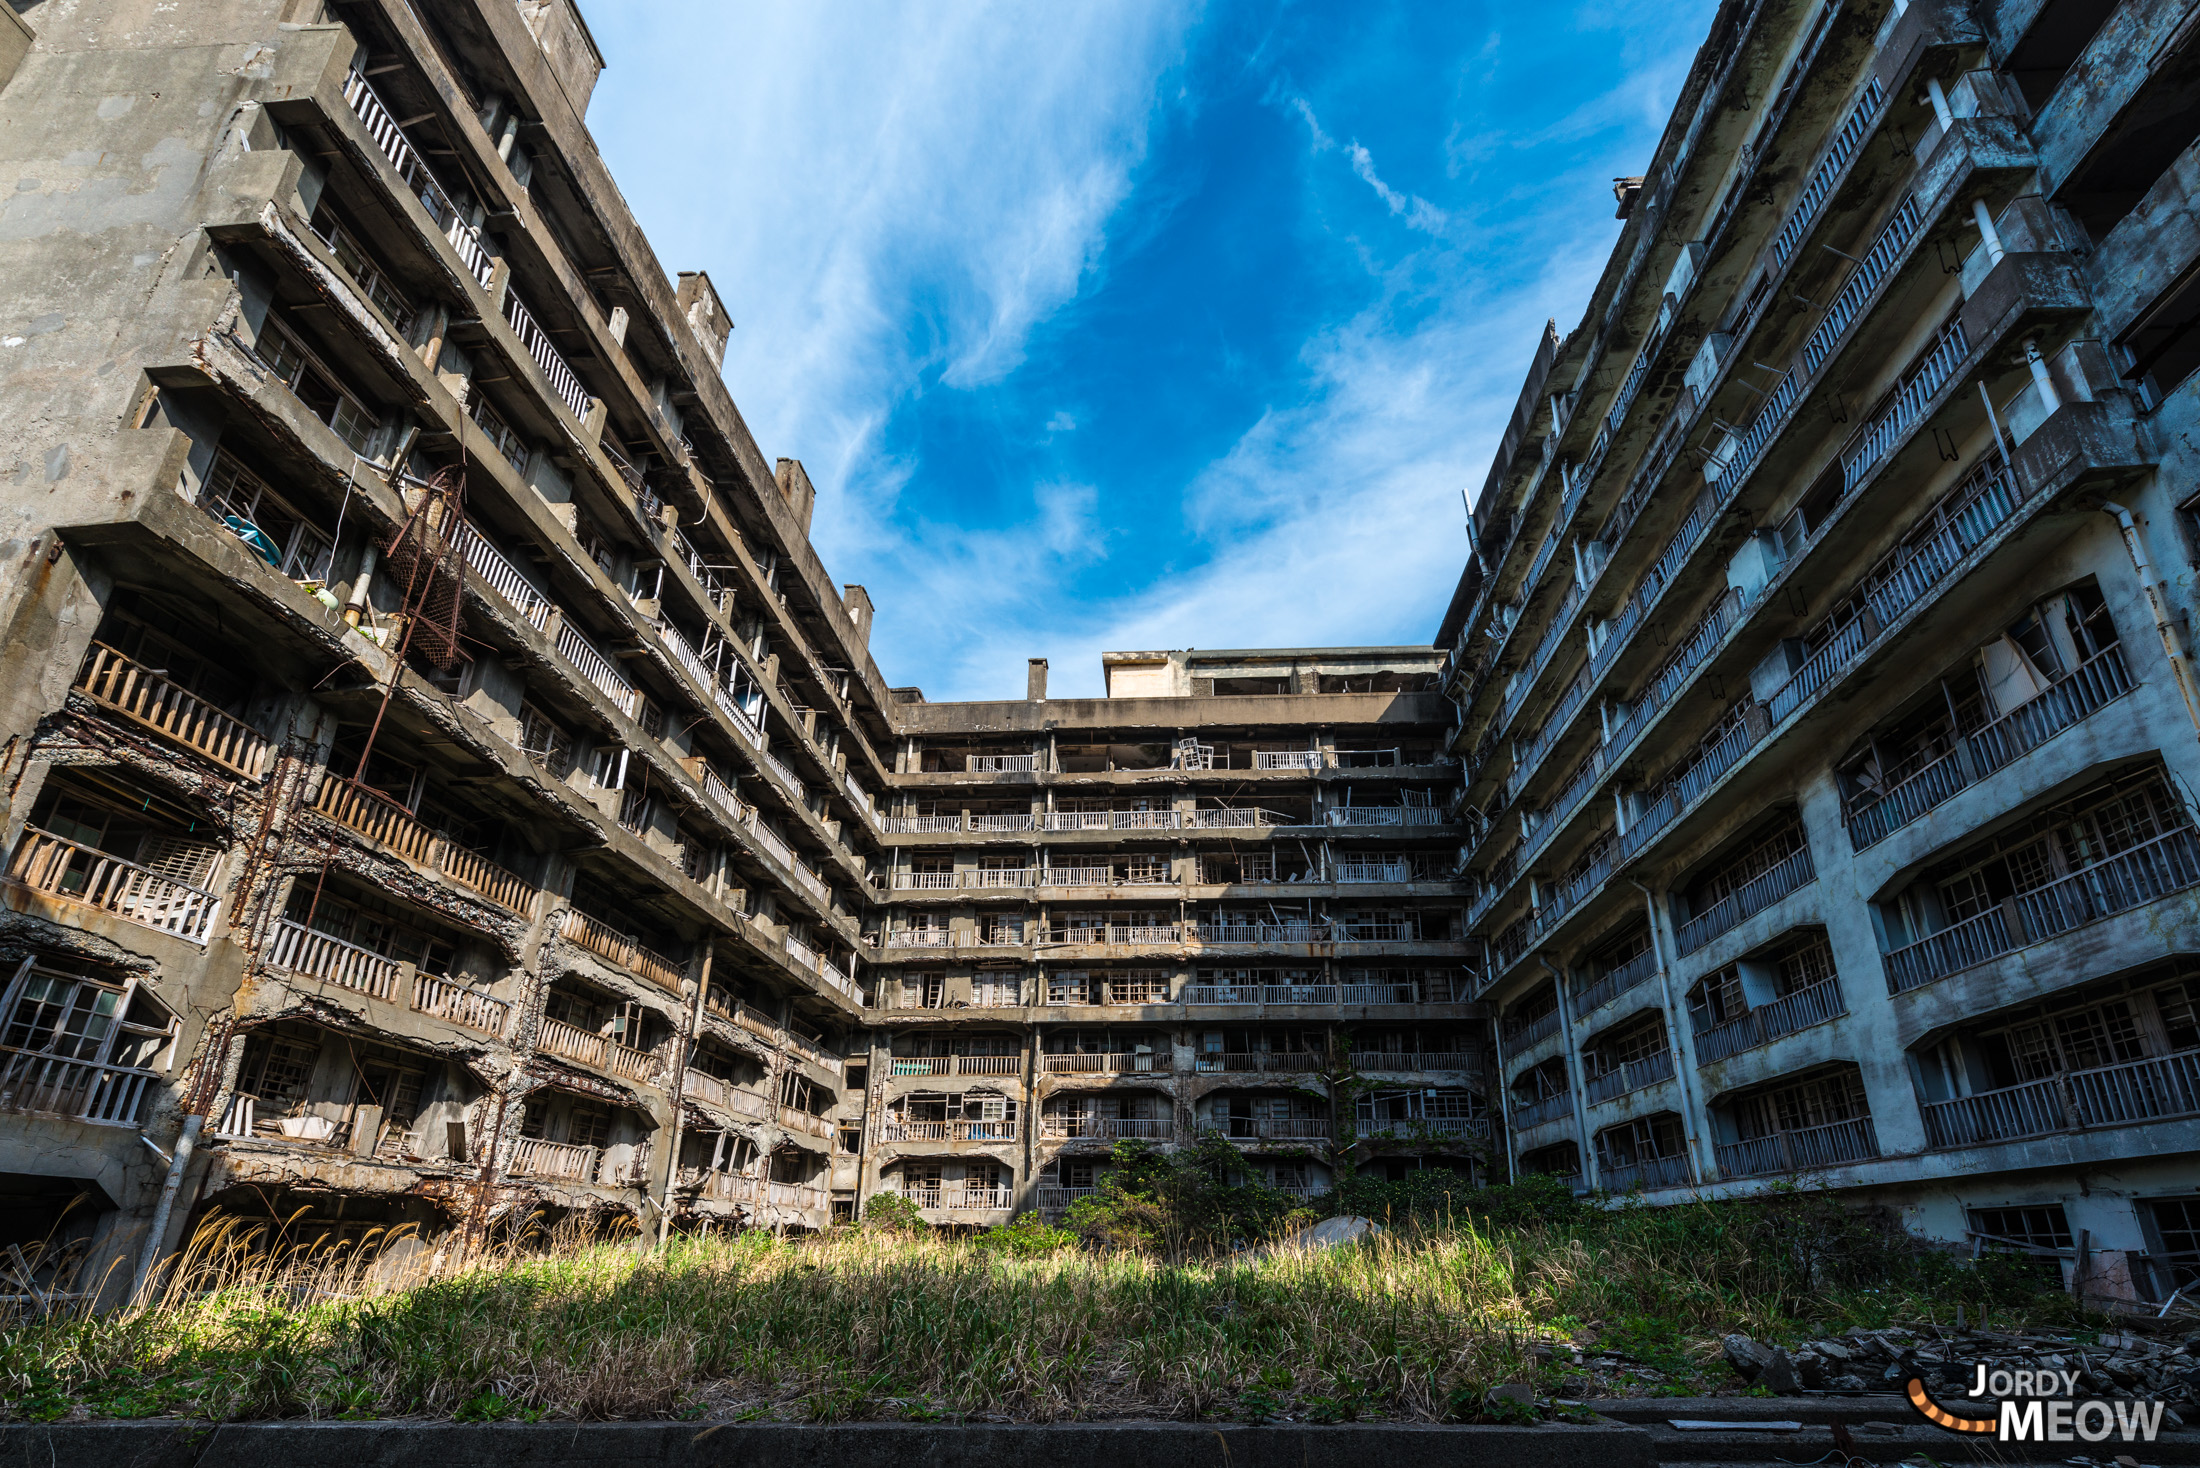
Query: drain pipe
(192, 1123)
(1691, 1103)
(2152, 585)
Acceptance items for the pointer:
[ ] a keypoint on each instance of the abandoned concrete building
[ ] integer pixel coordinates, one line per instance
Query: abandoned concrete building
(1828, 716)
(445, 788)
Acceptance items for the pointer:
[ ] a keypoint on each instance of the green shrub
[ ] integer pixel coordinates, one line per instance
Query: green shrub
(1026, 1236)
(892, 1213)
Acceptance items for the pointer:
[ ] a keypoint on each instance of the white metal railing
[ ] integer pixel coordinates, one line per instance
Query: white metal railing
(1018, 820)
(1228, 931)
(1075, 820)
(769, 839)
(1749, 899)
(534, 1157)
(1413, 1062)
(1878, 437)
(1232, 819)
(546, 356)
(1276, 1128)
(1104, 1062)
(1633, 1076)
(1812, 1005)
(1000, 764)
(1053, 1202)
(1609, 986)
(1065, 876)
(455, 1002)
(1649, 1172)
(1819, 187)
(802, 953)
(1143, 820)
(1385, 815)
(500, 575)
(298, 949)
(720, 794)
(920, 938)
(391, 140)
(595, 667)
(1287, 759)
(69, 869)
(1074, 1124)
(1540, 1112)
(1004, 877)
(1801, 1150)
(2168, 863)
(925, 881)
(1287, 1062)
(83, 1090)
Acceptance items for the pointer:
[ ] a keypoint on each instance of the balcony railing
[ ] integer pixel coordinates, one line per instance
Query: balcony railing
(82, 1090)
(1806, 1149)
(920, 938)
(1105, 1063)
(146, 696)
(559, 1160)
(1373, 871)
(1275, 1128)
(1874, 820)
(297, 949)
(1232, 819)
(390, 139)
(2097, 681)
(947, 1131)
(1749, 899)
(607, 942)
(1114, 933)
(1287, 759)
(2109, 1095)
(1264, 933)
(726, 1096)
(1054, 1202)
(1650, 1172)
(1800, 1010)
(1603, 990)
(501, 576)
(1409, 1062)
(1632, 1076)
(1385, 815)
(555, 370)
(379, 818)
(71, 870)
(1547, 1109)
(1414, 1128)
(1285, 1062)
(598, 1052)
(595, 667)
(1000, 764)
(725, 1187)
(460, 1005)
(1520, 1038)
(1106, 1128)
(2154, 869)
(1003, 877)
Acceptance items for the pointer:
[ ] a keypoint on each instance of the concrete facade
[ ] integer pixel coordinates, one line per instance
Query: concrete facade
(1828, 712)
(444, 788)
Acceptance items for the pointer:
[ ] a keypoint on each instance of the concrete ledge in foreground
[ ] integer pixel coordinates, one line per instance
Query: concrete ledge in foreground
(169, 1444)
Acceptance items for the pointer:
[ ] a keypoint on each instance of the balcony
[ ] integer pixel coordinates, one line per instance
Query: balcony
(1372, 871)
(557, 1161)
(2154, 869)
(920, 938)
(1413, 1062)
(1054, 1202)
(1622, 1080)
(461, 1005)
(1630, 975)
(947, 1131)
(1521, 1038)
(390, 139)
(724, 1187)
(1246, 994)
(595, 669)
(1544, 1111)
(1275, 1129)
(1747, 900)
(1806, 1149)
(2110, 1095)
(1257, 1062)
(146, 697)
(501, 576)
(555, 369)
(597, 1052)
(80, 1090)
(727, 1096)
(1385, 815)
(961, 1200)
(381, 819)
(1235, 819)
(1800, 1010)
(75, 872)
(1650, 1172)
(2093, 684)
(1426, 1128)
(607, 942)
(1106, 1063)
(1114, 933)
(300, 952)
(1287, 759)
(1263, 933)
(1000, 764)
(1074, 1127)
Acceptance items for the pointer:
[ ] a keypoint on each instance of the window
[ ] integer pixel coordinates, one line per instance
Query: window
(546, 742)
(287, 358)
(607, 766)
(56, 1014)
(279, 1074)
(923, 991)
(2041, 1227)
(276, 530)
(996, 991)
(373, 281)
(502, 435)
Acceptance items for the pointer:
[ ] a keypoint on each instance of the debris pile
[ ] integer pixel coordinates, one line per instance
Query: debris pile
(2110, 1365)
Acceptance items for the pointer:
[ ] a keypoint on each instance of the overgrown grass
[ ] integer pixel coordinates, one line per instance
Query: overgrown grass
(865, 1323)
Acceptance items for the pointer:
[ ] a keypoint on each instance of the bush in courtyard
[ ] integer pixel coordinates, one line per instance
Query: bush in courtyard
(892, 1213)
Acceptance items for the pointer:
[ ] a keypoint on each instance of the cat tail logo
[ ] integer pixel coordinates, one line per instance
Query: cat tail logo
(1940, 1416)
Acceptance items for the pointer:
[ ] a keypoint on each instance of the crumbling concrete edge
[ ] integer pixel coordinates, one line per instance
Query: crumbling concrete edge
(171, 1444)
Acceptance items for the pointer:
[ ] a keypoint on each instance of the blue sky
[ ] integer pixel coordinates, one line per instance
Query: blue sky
(1113, 324)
